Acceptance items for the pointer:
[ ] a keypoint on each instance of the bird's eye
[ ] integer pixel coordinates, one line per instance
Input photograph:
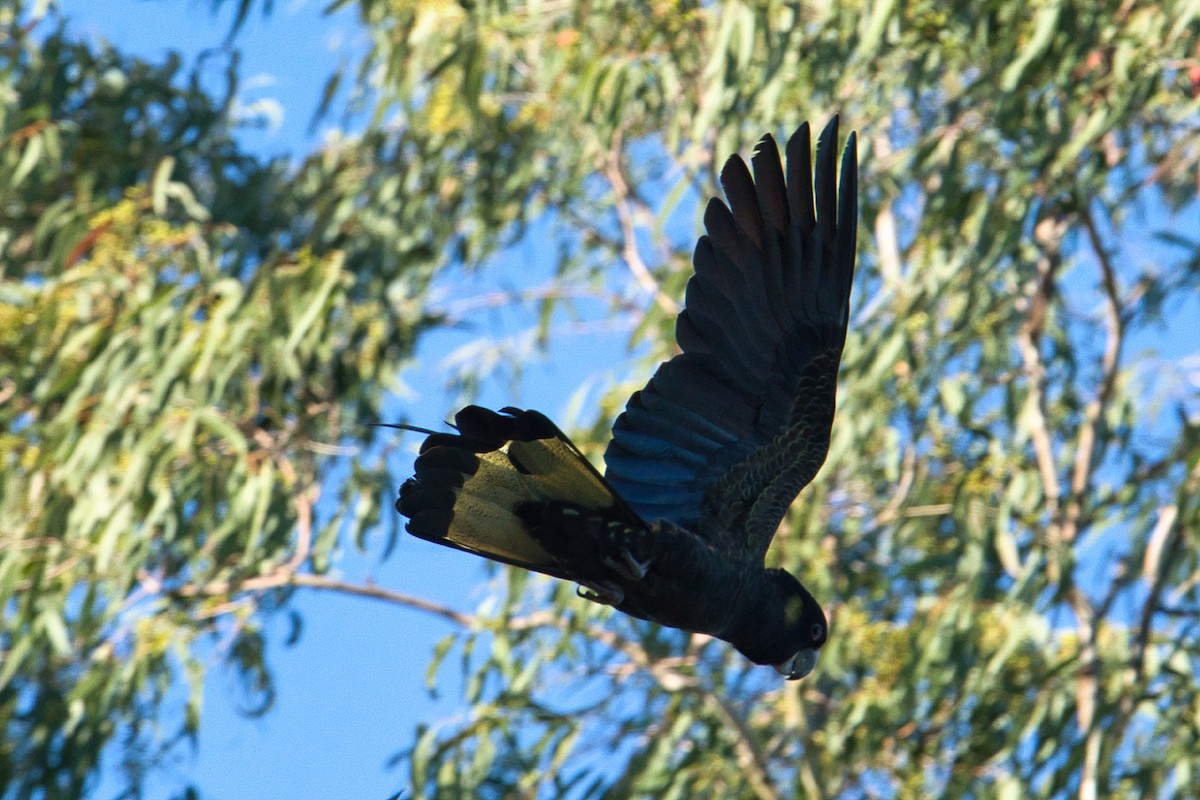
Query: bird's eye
(818, 630)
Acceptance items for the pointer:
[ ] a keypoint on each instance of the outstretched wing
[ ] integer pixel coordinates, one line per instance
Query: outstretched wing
(726, 434)
(469, 486)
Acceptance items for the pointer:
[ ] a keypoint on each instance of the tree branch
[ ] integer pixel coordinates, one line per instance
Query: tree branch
(1048, 235)
(749, 756)
(887, 240)
(456, 311)
(625, 215)
(324, 583)
(1110, 361)
(1081, 477)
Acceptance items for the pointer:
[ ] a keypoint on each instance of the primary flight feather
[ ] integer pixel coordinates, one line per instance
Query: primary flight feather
(706, 459)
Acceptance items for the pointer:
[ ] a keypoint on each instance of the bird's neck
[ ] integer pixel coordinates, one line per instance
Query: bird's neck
(753, 616)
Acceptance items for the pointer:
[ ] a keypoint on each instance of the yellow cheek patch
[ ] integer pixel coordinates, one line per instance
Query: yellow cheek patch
(793, 611)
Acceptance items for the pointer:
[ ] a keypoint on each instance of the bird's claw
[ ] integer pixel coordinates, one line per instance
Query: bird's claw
(602, 592)
(627, 565)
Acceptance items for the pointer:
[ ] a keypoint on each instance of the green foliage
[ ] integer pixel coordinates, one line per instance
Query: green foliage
(191, 340)
(1004, 532)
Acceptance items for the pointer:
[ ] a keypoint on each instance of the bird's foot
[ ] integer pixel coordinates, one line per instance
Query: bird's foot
(603, 592)
(628, 566)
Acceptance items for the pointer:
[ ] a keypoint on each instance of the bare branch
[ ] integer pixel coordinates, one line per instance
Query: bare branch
(310, 581)
(1035, 372)
(625, 215)
(1154, 570)
(304, 521)
(1086, 692)
(749, 756)
(282, 577)
(907, 474)
(887, 240)
(456, 311)
(1110, 361)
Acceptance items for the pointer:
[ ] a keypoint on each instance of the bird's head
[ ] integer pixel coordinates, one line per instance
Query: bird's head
(783, 626)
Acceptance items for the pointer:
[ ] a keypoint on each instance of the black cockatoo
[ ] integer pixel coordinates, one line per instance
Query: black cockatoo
(706, 459)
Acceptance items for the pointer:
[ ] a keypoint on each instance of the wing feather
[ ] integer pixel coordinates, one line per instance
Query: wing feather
(726, 433)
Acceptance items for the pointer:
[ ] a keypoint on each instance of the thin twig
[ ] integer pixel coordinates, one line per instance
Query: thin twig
(625, 215)
(324, 583)
(1163, 542)
(746, 750)
(908, 470)
(887, 240)
(304, 523)
(1048, 235)
(457, 310)
(1110, 361)
(1081, 478)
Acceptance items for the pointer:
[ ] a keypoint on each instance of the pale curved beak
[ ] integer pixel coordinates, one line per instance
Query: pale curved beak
(798, 665)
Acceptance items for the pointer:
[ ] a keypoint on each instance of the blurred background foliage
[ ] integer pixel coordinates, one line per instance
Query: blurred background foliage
(1007, 531)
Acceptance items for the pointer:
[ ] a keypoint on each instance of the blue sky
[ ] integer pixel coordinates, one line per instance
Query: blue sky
(351, 692)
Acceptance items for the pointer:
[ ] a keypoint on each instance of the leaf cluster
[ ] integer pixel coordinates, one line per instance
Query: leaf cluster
(191, 341)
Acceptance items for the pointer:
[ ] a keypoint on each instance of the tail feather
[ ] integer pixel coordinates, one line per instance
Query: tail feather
(468, 485)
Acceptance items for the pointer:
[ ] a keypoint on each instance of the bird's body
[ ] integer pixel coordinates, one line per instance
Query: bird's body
(707, 457)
